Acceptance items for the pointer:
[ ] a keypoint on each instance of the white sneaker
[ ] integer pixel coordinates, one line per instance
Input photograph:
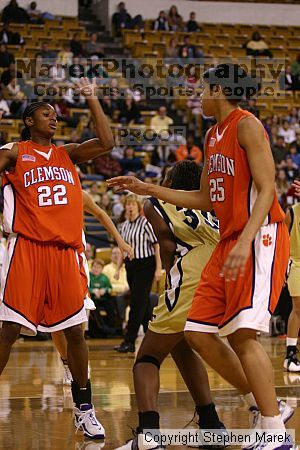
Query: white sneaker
(86, 421)
(139, 443)
(67, 380)
(292, 363)
(89, 304)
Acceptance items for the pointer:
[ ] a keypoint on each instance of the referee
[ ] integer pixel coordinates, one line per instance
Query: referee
(141, 270)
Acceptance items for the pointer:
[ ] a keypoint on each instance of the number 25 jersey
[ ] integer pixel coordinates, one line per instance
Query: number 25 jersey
(42, 196)
(232, 190)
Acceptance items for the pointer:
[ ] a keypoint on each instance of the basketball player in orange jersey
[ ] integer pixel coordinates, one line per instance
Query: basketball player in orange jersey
(89, 206)
(241, 284)
(43, 216)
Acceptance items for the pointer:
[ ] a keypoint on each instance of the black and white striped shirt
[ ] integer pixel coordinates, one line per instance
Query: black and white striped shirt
(139, 234)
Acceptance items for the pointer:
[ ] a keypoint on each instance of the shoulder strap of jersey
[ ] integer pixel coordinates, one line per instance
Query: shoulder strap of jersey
(158, 207)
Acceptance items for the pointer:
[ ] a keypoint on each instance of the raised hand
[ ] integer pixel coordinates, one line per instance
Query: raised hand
(86, 87)
(129, 183)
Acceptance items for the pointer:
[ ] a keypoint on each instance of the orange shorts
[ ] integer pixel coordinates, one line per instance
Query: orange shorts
(249, 301)
(41, 286)
(84, 274)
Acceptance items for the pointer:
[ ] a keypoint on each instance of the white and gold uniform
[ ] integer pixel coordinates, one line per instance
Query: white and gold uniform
(294, 274)
(196, 234)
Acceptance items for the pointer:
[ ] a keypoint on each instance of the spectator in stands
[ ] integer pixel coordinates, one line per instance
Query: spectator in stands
(88, 132)
(257, 46)
(35, 15)
(47, 54)
(118, 280)
(251, 107)
(76, 46)
(131, 164)
(192, 25)
(108, 106)
(10, 37)
(118, 206)
(100, 289)
(286, 80)
(174, 19)
(287, 132)
(94, 193)
(187, 50)
(65, 56)
(282, 186)
(161, 121)
(3, 139)
(18, 103)
(121, 19)
(189, 151)
(129, 111)
(93, 47)
(296, 72)
(291, 169)
(10, 73)
(279, 150)
(297, 141)
(107, 166)
(14, 13)
(105, 203)
(172, 49)
(4, 108)
(294, 154)
(6, 58)
(161, 23)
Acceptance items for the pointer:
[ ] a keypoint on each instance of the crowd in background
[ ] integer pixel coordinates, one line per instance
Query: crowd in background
(125, 108)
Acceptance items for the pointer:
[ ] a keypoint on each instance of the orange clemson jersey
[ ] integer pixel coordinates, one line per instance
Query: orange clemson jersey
(42, 196)
(232, 190)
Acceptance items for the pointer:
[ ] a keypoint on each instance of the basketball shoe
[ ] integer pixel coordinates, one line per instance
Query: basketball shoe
(87, 422)
(291, 362)
(139, 443)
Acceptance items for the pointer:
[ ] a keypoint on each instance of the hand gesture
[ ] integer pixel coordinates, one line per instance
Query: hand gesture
(157, 274)
(86, 87)
(128, 183)
(234, 265)
(126, 249)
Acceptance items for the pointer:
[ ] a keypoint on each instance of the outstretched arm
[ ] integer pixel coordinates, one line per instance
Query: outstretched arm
(90, 207)
(167, 244)
(104, 141)
(8, 155)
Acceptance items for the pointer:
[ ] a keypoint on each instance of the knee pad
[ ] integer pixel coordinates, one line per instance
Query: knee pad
(147, 359)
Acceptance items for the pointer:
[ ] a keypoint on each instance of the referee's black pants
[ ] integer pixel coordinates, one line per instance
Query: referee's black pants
(140, 274)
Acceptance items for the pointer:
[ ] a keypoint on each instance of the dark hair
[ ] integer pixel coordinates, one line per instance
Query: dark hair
(28, 112)
(185, 175)
(236, 84)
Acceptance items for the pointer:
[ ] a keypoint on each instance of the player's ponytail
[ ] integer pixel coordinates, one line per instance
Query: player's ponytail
(235, 82)
(28, 112)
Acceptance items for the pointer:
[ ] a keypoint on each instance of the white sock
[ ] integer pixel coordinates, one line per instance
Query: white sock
(250, 400)
(291, 341)
(272, 423)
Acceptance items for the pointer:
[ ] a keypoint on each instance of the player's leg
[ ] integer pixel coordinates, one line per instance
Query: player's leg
(219, 357)
(9, 333)
(60, 342)
(291, 363)
(195, 377)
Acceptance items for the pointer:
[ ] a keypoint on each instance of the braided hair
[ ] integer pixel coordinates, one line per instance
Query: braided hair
(29, 111)
(185, 176)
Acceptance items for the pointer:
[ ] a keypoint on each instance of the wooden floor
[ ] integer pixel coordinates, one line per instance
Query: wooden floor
(36, 411)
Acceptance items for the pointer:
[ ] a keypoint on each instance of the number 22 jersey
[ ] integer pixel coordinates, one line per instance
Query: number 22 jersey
(42, 196)
(232, 190)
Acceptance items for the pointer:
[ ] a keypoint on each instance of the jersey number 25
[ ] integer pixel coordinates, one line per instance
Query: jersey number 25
(217, 191)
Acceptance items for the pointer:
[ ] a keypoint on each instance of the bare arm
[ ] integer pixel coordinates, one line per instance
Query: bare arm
(8, 155)
(104, 141)
(252, 138)
(158, 267)
(288, 220)
(167, 244)
(90, 207)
